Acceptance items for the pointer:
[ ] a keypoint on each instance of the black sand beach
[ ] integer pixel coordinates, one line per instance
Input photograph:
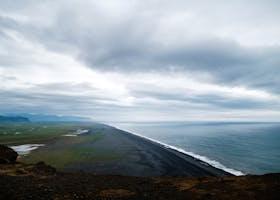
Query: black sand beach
(106, 150)
(117, 152)
(170, 162)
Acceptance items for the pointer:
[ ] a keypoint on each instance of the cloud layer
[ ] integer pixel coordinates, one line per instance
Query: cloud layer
(141, 60)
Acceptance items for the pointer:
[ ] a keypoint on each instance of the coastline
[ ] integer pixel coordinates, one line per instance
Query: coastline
(107, 150)
(145, 169)
(190, 165)
(186, 154)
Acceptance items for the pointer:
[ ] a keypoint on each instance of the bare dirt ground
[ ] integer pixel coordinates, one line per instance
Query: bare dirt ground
(21, 181)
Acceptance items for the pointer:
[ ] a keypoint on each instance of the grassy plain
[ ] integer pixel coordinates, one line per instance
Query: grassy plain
(59, 151)
(22, 133)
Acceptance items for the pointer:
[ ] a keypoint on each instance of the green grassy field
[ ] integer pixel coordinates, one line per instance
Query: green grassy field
(66, 151)
(22, 133)
(59, 151)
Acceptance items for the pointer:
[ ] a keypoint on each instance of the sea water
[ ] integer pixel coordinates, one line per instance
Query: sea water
(239, 148)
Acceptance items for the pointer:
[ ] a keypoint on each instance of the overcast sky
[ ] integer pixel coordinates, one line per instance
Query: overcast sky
(141, 60)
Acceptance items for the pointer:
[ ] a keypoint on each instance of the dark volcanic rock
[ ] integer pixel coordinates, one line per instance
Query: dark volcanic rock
(27, 181)
(43, 169)
(7, 155)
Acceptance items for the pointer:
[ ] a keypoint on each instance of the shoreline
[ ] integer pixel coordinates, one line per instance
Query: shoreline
(109, 150)
(189, 165)
(188, 156)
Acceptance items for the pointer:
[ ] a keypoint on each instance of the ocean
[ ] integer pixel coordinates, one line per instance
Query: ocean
(239, 148)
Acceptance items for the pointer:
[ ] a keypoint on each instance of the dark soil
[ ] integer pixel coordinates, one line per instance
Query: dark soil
(21, 181)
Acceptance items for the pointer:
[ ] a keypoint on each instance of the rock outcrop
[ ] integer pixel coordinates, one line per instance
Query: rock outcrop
(7, 155)
(42, 168)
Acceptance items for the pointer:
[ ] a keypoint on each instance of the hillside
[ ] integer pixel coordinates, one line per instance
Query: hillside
(50, 118)
(39, 181)
(13, 119)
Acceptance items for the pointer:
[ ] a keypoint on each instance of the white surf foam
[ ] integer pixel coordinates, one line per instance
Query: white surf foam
(205, 159)
(26, 148)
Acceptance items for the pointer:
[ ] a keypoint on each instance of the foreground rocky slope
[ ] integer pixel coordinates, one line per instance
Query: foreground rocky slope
(7, 155)
(40, 181)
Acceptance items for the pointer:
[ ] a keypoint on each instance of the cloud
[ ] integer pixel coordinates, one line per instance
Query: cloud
(127, 57)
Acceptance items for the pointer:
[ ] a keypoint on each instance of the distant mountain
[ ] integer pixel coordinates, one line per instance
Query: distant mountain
(51, 118)
(13, 119)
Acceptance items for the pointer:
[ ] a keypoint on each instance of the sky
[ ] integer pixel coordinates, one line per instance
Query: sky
(141, 60)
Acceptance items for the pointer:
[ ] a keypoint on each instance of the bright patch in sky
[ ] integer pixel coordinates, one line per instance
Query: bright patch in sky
(141, 60)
